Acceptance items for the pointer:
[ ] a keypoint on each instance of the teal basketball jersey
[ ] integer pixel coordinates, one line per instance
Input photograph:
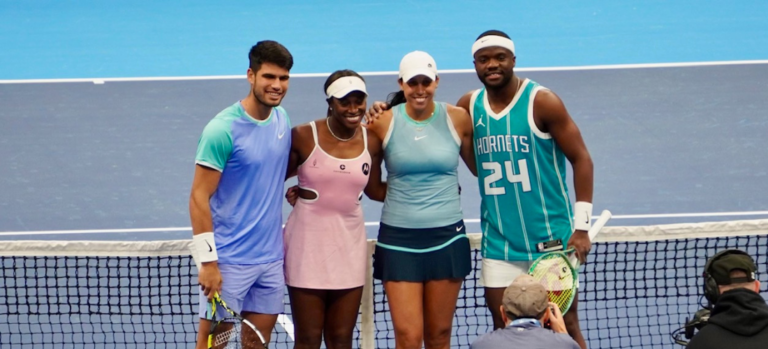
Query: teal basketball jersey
(521, 175)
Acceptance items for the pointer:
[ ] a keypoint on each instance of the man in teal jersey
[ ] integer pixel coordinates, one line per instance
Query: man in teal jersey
(523, 135)
(235, 203)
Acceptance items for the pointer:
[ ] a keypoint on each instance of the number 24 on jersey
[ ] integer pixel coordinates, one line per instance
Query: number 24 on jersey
(497, 173)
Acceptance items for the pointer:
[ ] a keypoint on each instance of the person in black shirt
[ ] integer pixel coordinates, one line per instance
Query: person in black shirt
(739, 317)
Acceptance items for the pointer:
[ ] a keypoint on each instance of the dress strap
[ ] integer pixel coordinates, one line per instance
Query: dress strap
(314, 132)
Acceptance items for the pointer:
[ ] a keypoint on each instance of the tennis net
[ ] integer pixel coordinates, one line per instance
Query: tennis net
(640, 284)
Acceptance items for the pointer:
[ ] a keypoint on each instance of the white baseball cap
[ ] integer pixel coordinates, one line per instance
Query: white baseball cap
(417, 63)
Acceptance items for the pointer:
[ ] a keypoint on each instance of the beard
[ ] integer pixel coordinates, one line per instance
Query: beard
(260, 98)
(506, 78)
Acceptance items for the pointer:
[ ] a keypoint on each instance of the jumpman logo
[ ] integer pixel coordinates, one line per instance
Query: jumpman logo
(480, 122)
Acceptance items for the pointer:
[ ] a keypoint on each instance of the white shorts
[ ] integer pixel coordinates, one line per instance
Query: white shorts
(500, 274)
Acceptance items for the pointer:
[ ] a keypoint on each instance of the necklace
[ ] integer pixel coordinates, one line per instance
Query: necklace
(506, 98)
(519, 84)
(421, 123)
(328, 123)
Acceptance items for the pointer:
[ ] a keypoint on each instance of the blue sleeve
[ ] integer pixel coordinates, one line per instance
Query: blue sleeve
(215, 145)
(282, 111)
(566, 339)
(481, 343)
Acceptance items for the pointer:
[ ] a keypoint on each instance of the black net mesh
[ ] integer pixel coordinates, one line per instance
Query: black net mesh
(633, 295)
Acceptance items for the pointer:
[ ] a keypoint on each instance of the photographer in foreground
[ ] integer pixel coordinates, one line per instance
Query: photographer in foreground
(529, 318)
(739, 317)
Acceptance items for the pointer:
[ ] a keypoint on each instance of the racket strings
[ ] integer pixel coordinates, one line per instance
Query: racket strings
(557, 277)
(229, 338)
(226, 336)
(235, 335)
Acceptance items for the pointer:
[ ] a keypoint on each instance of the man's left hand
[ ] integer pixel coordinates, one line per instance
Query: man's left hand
(580, 242)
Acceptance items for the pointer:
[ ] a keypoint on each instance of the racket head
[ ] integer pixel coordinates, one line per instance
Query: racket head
(557, 274)
(230, 330)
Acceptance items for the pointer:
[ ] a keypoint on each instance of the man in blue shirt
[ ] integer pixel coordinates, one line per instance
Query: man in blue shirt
(236, 200)
(531, 321)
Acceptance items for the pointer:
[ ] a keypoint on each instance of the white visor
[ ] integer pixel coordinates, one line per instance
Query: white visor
(493, 41)
(417, 63)
(343, 86)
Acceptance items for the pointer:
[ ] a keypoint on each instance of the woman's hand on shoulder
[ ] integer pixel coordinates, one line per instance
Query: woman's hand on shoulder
(381, 125)
(377, 109)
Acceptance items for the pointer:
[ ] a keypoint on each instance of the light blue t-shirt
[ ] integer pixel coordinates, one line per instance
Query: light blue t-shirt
(246, 208)
(421, 159)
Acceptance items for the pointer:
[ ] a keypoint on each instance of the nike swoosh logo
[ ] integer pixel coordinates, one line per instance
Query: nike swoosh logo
(210, 249)
(459, 228)
(280, 136)
(418, 138)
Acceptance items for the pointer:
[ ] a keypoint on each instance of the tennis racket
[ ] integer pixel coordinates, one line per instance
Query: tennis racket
(558, 270)
(231, 331)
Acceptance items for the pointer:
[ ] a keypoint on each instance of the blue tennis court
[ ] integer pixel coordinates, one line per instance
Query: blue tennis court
(669, 97)
(120, 155)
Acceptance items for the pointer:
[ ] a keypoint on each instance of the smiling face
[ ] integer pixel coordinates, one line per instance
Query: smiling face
(495, 66)
(419, 91)
(349, 110)
(269, 84)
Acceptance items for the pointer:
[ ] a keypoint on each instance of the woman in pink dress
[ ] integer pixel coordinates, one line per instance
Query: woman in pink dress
(325, 241)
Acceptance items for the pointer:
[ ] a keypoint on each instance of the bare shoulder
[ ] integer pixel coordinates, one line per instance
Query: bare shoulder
(461, 120)
(460, 116)
(381, 126)
(457, 112)
(547, 102)
(464, 100)
(374, 142)
(301, 135)
(549, 112)
(372, 136)
(302, 130)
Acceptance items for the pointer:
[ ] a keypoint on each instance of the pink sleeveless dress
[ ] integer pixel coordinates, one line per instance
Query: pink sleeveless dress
(325, 242)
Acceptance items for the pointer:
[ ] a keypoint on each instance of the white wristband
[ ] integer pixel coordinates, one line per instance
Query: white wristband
(205, 246)
(582, 213)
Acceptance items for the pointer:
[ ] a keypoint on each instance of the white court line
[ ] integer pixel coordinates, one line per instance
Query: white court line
(374, 224)
(100, 81)
(287, 325)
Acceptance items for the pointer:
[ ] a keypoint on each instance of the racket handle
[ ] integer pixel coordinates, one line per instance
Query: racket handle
(599, 224)
(574, 261)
